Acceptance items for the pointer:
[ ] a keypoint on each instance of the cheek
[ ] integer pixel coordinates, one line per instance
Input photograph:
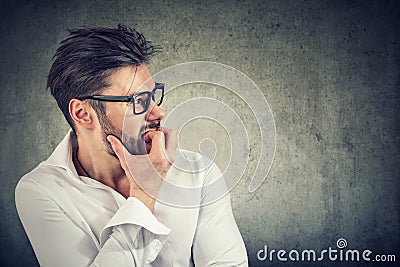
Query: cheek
(116, 115)
(132, 124)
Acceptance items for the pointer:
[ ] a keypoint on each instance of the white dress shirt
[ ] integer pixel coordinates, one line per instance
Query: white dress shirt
(74, 220)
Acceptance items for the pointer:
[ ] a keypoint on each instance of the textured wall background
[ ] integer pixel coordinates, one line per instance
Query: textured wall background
(330, 72)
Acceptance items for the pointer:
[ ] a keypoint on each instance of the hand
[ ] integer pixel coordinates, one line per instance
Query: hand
(161, 145)
(146, 172)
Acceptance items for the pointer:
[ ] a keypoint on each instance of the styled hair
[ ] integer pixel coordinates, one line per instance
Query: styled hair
(88, 56)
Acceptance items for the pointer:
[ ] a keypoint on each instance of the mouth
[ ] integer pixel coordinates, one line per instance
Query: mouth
(153, 126)
(144, 134)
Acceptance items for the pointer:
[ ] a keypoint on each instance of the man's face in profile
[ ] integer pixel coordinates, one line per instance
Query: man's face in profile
(119, 119)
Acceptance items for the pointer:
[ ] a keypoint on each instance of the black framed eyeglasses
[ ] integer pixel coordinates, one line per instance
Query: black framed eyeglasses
(140, 101)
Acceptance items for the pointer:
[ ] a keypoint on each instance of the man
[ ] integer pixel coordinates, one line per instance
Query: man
(94, 201)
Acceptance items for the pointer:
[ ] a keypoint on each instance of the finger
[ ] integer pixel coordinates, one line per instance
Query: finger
(148, 136)
(171, 142)
(157, 143)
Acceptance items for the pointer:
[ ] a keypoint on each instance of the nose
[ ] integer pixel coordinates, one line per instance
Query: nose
(156, 113)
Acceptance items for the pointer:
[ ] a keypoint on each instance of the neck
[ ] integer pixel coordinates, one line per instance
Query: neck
(95, 162)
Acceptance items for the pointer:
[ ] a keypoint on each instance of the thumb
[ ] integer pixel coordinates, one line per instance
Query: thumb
(157, 143)
(119, 150)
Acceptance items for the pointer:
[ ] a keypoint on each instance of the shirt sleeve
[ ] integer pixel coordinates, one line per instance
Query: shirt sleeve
(127, 240)
(217, 241)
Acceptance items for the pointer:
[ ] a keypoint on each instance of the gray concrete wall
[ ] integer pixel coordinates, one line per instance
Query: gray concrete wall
(329, 70)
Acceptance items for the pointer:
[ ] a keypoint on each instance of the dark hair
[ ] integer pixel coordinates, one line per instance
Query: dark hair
(88, 56)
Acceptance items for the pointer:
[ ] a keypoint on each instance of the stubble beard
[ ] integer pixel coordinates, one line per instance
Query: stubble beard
(134, 144)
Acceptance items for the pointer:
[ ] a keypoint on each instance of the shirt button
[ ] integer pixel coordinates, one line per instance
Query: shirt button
(156, 245)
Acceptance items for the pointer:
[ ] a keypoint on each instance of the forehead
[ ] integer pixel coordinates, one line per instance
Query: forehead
(125, 80)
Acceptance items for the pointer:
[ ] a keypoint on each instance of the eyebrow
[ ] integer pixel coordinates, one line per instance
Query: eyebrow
(134, 76)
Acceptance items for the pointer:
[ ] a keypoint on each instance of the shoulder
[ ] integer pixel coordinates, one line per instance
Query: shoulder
(198, 165)
(189, 155)
(43, 176)
(193, 159)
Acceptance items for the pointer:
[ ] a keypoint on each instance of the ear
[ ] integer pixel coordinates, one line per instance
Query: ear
(81, 113)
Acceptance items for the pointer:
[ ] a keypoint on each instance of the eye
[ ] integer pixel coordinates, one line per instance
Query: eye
(138, 101)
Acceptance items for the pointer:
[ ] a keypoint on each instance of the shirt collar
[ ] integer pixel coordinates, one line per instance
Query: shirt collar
(62, 155)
